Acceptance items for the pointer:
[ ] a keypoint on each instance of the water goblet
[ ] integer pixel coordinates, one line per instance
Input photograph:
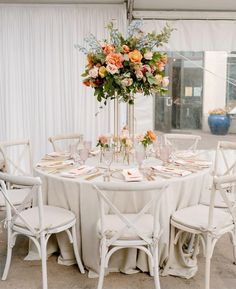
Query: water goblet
(83, 153)
(108, 158)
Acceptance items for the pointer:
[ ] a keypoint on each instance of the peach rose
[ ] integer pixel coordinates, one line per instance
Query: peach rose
(111, 68)
(125, 48)
(115, 59)
(135, 56)
(103, 140)
(102, 71)
(160, 66)
(151, 135)
(93, 72)
(107, 49)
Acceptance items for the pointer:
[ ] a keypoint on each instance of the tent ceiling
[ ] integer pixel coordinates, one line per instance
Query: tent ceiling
(219, 5)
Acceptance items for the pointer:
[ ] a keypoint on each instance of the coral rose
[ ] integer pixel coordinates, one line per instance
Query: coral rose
(125, 48)
(102, 71)
(135, 56)
(115, 59)
(86, 82)
(151, 135)
(107, 49)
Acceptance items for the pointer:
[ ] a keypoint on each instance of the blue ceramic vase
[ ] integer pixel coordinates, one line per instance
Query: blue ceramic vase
(219, 123)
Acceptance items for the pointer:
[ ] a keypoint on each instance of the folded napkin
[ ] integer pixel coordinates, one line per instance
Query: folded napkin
(77, 172)
(172, 171)
(94, 152)
(132, 175)
(54, 164)
(194, 162)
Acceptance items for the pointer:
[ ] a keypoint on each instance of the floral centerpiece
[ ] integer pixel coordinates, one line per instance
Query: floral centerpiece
(148, 138)
(103, 143)
(122, 66)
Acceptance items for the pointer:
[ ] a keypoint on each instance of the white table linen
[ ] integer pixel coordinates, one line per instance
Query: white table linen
(78, 195)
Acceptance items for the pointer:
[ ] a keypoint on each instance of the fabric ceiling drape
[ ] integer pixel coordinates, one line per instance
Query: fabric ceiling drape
(41, 91)
(197, 35)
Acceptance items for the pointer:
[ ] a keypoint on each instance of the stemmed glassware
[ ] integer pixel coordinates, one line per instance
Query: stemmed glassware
(108, 154)
(83, 153)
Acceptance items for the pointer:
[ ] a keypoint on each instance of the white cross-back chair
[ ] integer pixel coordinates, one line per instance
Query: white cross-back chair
(208, 223)
(224, 165)
(17, 157)
(37, 223)
(61, 142)
(182, 141)
(135, 230)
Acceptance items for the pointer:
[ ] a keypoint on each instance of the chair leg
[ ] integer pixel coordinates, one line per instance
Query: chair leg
(156, 267)
(44, 260)
(208, 262)
(150, 263)
(9, 254)
(77, 256)
(102, 264)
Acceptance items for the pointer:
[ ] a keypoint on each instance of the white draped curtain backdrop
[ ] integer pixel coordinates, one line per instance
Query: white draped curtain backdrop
(41, 90)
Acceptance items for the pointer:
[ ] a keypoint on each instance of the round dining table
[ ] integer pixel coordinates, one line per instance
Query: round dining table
(78, 195)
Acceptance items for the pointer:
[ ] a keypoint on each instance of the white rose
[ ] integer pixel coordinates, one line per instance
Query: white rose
(93, 72)
(165, 81)
(139, 74)
(148, 55)
(126, 81)
(111, 68)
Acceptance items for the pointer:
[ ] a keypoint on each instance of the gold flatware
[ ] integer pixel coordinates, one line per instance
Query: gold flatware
(93, 176)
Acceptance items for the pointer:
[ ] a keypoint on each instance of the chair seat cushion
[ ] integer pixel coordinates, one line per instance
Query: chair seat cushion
(54, 217)
(16, 196)
(113, 224)
(196, 217)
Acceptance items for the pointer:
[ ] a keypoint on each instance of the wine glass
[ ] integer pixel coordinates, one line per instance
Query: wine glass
(108, 158)
(88, 145)
(165, 153)
(83, 153)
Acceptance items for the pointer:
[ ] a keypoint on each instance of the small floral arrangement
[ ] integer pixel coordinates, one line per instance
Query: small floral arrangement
(147, 139)
(102, 142)
(219, 111)
(126, 142)
(123, 66)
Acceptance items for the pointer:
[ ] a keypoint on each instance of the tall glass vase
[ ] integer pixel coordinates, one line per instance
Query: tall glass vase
(130, 120)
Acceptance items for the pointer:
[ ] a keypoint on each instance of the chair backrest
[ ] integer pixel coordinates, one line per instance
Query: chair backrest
(16, 157)
(34, 194)
(225, 164)
(219, 185)
(62, 142)
(151, 195)
(182, 141)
